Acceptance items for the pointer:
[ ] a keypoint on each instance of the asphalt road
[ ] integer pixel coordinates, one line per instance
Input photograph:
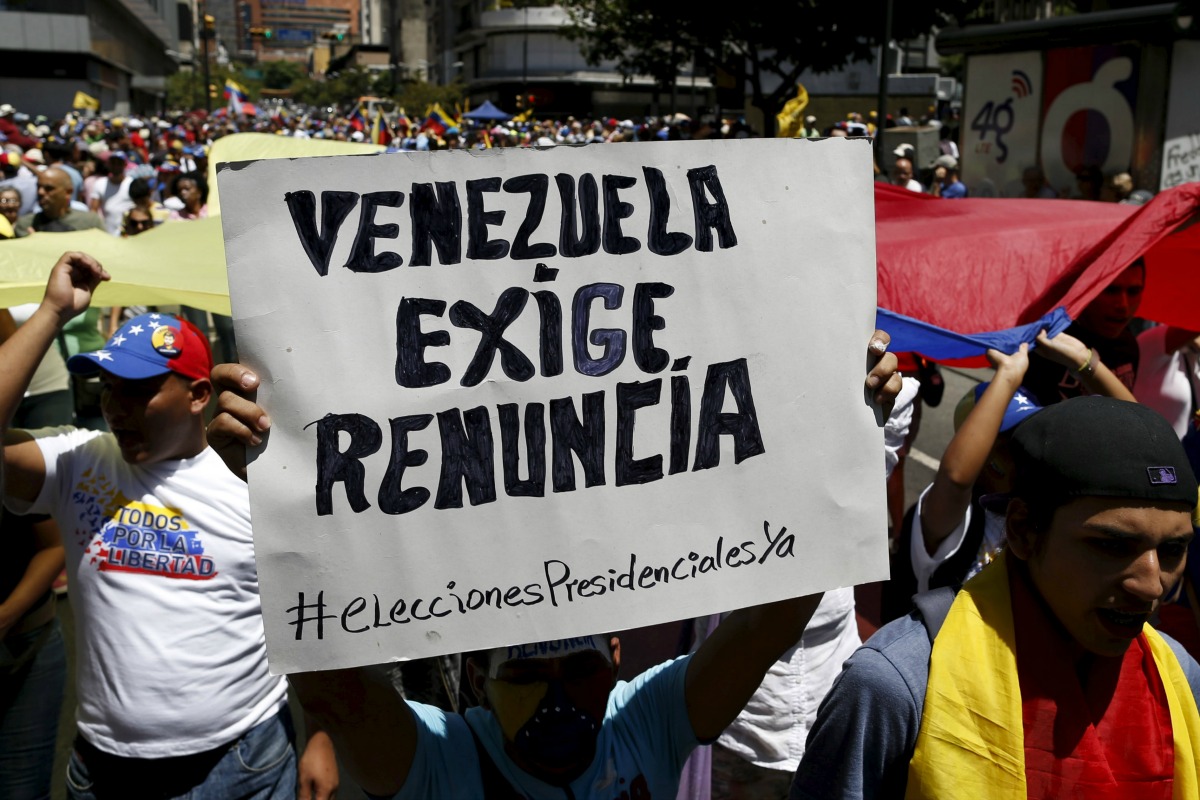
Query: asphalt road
(935, 432)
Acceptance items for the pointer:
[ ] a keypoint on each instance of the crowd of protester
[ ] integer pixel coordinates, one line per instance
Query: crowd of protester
(159, 149)
(1062, 507)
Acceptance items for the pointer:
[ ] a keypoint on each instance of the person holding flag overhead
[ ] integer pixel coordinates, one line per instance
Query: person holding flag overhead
(235, 93)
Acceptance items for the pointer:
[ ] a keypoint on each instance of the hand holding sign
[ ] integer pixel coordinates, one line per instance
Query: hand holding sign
(373, 727)
(239, 423)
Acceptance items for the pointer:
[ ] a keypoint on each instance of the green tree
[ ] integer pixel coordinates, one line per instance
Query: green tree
(185, 90)
(281, 74)
(416, 96)
(770, 43)
(340, 88)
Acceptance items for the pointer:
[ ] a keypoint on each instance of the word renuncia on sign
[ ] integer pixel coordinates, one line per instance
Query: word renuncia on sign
(574, 427)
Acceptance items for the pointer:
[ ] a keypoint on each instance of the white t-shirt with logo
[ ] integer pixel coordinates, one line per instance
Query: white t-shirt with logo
(171, 651)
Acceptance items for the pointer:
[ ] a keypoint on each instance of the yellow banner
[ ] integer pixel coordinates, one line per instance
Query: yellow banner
(253, 146)
(177, 263)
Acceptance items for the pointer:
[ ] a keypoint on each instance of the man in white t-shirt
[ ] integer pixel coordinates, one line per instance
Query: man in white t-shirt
(174, 693)
(110, 196)
(757, 755)
(902, 174)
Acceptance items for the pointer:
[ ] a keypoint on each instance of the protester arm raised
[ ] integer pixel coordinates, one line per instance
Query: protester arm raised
(68, 293)
(318, 768)
(1073, 354)
(730, 665)
(371, 726)
(949, 497)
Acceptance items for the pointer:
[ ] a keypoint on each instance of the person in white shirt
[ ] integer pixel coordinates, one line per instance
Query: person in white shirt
(902, 175)
(110, 195)
(175, 697)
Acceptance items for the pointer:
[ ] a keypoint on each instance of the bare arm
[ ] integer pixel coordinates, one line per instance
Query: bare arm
(7, 326)
(68, 294)
(43, 568)
(948, 498)
(317, 769)
(114, 320)
(371, 726)
(1073, 354)
(731, 664)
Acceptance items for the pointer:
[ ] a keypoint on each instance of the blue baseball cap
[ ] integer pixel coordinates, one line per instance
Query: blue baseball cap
(1021, 407)
(149, 345)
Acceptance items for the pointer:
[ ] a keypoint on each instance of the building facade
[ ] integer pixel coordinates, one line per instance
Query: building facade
(518, 57)
(118, 51)
(292, 27)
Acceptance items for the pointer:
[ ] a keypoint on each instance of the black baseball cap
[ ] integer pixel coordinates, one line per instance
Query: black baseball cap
(1100, 447)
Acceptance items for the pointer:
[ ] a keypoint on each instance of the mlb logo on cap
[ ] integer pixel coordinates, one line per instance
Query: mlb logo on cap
(1162, 475)
(149, 345)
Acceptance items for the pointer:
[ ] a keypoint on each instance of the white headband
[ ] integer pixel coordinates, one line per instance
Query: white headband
(553, 648)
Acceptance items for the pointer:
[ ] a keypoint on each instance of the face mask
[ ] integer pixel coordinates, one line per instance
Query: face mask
(558, 733)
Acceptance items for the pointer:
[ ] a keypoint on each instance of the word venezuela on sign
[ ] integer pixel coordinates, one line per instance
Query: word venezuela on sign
(520, 395)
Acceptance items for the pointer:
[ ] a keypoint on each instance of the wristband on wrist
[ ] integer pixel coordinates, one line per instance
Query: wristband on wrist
(1089, 366)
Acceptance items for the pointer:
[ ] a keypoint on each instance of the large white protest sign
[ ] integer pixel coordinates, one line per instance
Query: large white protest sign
(519, 395)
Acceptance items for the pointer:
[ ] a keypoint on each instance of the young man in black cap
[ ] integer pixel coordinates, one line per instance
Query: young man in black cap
(1045, 679)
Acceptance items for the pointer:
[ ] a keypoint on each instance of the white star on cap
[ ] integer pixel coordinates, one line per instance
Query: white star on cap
(135, 330)
(103, 355)
(118, 340)
(154, 316)
(1022, 399)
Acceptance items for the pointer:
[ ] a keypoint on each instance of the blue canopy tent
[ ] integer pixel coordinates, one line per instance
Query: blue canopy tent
(486, 112)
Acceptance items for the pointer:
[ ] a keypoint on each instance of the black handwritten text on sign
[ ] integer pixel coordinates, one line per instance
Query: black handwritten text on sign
(591, 219)
(436, 214)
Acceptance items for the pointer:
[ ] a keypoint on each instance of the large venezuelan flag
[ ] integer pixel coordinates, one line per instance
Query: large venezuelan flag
(958, 276)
